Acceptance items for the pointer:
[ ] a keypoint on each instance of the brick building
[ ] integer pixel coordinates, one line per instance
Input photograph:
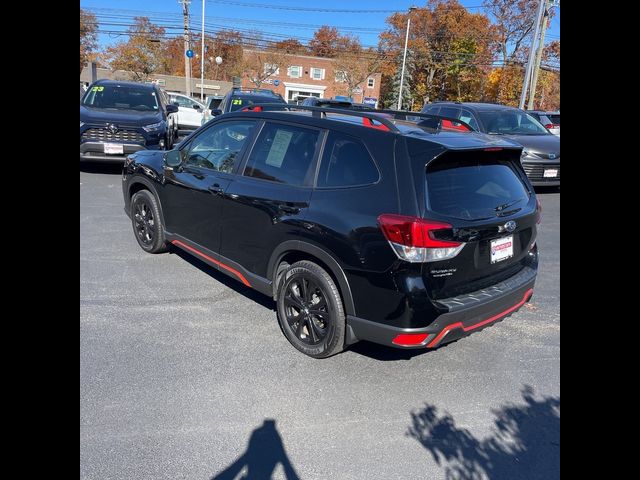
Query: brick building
(307, 76)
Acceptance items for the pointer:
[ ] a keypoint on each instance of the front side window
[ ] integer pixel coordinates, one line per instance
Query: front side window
(346, 162)
(183, 101)
(283, 153)
(467, 117)
(218, 147)
(121, 97)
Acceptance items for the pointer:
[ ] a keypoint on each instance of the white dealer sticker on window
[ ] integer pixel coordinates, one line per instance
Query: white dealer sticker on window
(279, 148)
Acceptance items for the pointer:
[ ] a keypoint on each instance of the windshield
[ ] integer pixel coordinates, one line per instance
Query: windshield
(213, 103)
(121, 97)
(511, 122)
(239, 102)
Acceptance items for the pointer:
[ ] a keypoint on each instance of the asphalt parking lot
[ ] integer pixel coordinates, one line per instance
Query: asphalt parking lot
(185, 374)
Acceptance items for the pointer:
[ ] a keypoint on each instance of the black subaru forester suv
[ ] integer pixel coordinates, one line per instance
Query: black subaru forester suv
(360, 227)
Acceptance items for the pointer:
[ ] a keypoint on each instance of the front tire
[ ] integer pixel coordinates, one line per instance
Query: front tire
(310, 310)
(147, 222)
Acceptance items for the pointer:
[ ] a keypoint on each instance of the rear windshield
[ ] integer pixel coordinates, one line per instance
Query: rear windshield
(472, 186)
(121, 97)
(554, 118)
(240, 102)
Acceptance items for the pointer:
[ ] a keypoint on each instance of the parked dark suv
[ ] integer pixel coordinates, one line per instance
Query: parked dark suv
(238, 98)
(361, 227)
(541, 153)
(118, 118)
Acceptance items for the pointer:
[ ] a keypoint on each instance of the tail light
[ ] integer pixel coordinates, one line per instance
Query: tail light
(538, 211)
(550, 126)
(413, 238)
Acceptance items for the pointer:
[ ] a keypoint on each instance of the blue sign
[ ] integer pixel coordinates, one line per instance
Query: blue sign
(276, 82)
(370, 101)
(190, 53)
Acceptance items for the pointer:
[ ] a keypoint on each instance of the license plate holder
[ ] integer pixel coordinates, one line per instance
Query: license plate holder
(113, 149)
(550, 173)
(501, 249)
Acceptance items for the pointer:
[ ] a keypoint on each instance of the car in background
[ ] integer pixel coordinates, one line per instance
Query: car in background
(541, 152)
(239, 98)
(550, 120)
(212, 103)
(118, 118)
(190, 111)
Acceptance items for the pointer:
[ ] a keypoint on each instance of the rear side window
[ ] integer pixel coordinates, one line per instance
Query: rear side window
(283, 153)
(346, 162)
(474, 186)
(555, 119)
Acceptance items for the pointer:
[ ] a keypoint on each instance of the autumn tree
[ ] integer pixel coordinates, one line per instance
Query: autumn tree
(88, 36)
(290, 45)
(142, 54)
(325, 42)
(355, 64)
(452, 48)
(514, 21)
(259, 65)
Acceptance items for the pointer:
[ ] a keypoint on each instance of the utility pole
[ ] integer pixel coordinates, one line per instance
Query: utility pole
(202, 58)
(527, 74)
(404, 57)
(536, 70)
(187, 60)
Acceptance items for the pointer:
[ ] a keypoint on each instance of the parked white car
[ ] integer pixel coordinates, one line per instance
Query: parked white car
(189, 111)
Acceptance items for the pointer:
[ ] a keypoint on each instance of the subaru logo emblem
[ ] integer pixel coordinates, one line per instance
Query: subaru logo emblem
(510, 226)
(552, 156)
(113, 129)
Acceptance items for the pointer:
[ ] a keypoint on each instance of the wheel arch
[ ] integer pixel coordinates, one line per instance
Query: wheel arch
(295, 250)
(138, 183)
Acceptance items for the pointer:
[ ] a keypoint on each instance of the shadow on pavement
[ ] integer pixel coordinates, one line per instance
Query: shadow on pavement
(250, 293)
(264, 452)
(525, 443)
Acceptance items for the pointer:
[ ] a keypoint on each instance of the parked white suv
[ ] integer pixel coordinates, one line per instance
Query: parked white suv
(189, 111)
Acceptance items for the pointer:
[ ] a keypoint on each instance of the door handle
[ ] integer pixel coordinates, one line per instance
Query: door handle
(288, 209)
(217, 189)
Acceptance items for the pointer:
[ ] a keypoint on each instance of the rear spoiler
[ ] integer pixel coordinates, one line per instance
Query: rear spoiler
(379, 119)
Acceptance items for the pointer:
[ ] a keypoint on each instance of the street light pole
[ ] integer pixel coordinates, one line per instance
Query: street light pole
(202, 58)
(187, 60)
(404, 57)
(527, 74)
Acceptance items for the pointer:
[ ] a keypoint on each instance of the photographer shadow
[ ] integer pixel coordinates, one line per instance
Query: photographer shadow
(264, 452)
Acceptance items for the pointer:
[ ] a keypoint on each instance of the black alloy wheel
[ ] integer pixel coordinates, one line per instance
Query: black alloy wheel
(310, 310)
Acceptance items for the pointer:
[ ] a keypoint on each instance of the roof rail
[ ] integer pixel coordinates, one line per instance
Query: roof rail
(451, 123)
(369, 118)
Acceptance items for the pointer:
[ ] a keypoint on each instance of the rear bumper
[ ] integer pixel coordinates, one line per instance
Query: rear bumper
(465, 315)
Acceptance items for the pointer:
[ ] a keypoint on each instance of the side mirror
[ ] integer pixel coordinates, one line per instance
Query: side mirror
(172, 108)
(172, 158)
(216, 111)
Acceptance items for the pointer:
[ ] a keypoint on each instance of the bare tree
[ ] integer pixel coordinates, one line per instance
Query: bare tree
(259, 65)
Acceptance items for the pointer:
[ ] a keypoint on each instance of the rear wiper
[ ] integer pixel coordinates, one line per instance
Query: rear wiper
(500, 208)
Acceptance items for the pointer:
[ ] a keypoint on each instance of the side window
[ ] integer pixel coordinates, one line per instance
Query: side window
(218, 147)
(346, 162)
(283, 153)
(467, 117)
(451, 112)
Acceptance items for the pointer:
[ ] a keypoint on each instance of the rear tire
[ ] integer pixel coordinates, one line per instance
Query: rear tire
(310, 310)
(146, 220)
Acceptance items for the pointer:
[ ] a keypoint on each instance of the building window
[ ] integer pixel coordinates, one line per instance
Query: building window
(295, 71)
(341, 76)
(317, 73)
(371, 82)
(271, 69)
